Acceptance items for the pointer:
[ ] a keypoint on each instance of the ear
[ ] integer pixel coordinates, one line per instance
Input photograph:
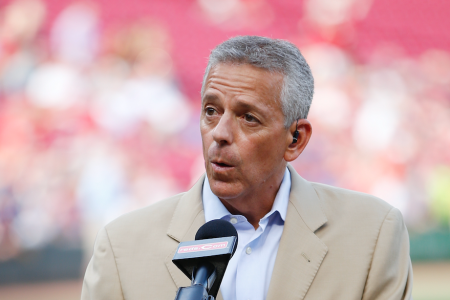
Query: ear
(293, 150)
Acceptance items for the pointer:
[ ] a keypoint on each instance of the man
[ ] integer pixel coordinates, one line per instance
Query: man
(297, 239)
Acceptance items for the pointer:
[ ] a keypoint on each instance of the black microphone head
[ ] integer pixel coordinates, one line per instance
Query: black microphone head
(217, 229)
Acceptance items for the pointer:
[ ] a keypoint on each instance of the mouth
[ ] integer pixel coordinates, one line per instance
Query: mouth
(220, 166)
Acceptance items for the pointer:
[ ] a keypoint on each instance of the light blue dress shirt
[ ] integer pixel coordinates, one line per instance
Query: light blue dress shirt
(250, 269)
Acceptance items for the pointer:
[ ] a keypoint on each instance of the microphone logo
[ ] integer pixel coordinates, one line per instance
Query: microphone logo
(203, 247)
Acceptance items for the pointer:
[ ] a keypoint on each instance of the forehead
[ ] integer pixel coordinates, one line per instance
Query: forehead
(243, 80)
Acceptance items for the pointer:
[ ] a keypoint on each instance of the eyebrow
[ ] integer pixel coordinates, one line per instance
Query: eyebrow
(244, 105)
(239, 103)
(209, 97)
(249, 107)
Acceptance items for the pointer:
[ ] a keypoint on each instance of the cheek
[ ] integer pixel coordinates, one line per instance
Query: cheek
(265, 151)
(207, 140)
(259, 154)
(205, 133)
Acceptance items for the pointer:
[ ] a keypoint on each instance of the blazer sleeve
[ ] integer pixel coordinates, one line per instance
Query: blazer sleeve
(390, 275)
(101, 281)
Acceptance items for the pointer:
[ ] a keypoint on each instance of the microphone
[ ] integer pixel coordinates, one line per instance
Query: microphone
(205, 260)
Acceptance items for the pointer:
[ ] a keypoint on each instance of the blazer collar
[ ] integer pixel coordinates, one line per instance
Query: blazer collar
(188, 215)
(304, 198)
(190, 208)
(187, 218)
(300, 252)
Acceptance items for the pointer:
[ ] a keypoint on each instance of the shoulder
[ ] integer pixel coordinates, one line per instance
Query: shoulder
(354, 216)
(356, 224)
(152, 219)
(350, 204)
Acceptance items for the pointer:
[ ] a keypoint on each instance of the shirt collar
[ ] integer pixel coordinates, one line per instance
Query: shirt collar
(214, 209)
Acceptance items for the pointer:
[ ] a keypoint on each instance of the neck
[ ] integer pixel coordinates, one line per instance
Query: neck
(256, 203)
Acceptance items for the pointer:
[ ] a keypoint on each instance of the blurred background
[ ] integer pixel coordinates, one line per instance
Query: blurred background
(100, 103)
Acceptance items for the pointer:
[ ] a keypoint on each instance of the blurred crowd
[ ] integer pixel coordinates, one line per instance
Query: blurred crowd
(93, 123)
(89, 125)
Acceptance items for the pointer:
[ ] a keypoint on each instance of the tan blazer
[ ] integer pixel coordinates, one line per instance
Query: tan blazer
(336, 244)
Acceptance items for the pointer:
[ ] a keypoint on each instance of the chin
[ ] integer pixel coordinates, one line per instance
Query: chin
(225, 190)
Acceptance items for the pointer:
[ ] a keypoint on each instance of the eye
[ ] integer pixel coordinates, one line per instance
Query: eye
(210, 111)
(250, 118)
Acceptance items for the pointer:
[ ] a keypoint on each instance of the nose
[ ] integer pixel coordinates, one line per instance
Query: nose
(223, 132)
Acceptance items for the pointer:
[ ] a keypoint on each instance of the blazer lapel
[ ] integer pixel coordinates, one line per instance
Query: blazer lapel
(188, 215)
(300, 252)
(186, 220)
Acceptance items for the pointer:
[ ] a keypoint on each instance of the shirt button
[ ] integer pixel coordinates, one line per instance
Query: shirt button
(248, 250)
(233, 220)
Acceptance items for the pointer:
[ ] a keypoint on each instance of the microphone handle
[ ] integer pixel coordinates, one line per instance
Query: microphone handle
(193, 292)
(203, 277)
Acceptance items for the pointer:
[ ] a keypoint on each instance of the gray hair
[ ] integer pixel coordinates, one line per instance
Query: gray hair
(275, 56)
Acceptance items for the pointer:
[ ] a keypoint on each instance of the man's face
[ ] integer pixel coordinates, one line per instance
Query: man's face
(242, 127)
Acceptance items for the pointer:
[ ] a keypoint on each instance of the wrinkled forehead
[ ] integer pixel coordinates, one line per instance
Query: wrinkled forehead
(243, 77)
